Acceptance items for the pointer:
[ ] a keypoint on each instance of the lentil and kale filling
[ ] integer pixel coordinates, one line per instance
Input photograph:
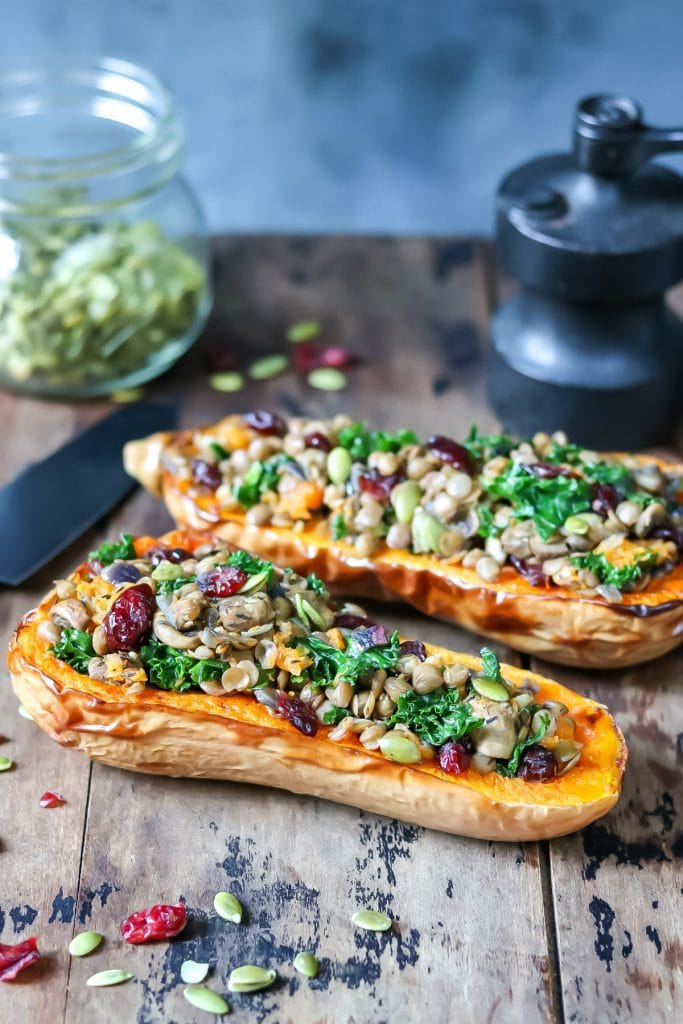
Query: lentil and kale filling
(552, 511)
(226, 622)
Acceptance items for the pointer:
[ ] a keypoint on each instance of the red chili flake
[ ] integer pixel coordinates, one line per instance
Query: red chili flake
(449, 451)
(337, 356)
(373, 482)
(162, 921)
(206, 473)
(317, 440)
(454, 758)
(266, 423)
(129, 619)
(15, 958)
(302, 716)
(605, 499)
(51, 799)
(222, 581)
(415, 647)
(538, 764)
(534, 573)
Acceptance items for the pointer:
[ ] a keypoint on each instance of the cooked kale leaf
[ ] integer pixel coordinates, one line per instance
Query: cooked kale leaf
(333, 716)
(113, 549)
(490, 664)
(75, 648)
(170, 669)
(612, 575)
(315, 584)
(339, 527)
(360, 441)
(435, 717)
(331, 665)
(249, 563)
(510, 767)
(548, 501)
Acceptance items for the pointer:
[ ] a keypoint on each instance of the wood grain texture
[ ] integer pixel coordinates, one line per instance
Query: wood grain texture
(477, 936)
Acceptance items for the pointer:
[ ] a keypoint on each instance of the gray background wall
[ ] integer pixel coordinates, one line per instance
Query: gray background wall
(369, 115)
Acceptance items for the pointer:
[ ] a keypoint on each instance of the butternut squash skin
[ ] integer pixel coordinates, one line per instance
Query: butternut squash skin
(554, 623)
(233, 737)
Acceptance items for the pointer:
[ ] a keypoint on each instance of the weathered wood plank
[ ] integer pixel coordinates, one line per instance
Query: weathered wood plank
(617, 884)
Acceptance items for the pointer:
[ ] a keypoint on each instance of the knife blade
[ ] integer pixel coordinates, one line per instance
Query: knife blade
(55, 500)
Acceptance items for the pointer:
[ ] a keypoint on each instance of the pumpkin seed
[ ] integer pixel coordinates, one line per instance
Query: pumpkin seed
(490, 688)
(327, 379)
(269, 366)
(405, 498)
(84, 943)
(25, 713)
(228, 907)
(577, 524)
(111, 977)
(371, 920)
(5, 764)
(125, 395)
(565, 751)
(192, 973)
(426, 532)
(250, 979)
(166, 571)
(312, 613)
(400, 749)
(254, 582)
(226, 382)
(306, 964)
(339, 463)
(206, 999)
(306, 330)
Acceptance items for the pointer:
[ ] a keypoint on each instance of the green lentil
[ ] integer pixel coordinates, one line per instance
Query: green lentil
(405, 498)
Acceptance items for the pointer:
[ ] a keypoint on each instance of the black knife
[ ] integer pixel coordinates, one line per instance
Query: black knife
(54, 501)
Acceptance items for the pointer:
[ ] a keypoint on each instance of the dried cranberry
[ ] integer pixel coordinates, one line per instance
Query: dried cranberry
(266, 423)
(129, 619)
(537, 765)
(534, 573)
(50, 799)
(453, 758)
(450, 452)
(371, 636)
(15, 958)
(605, 499)
(300, 715)
(415, 647)
(222, 581)
(206, 473)
(671, 533)
(306, 357)
(175, 555)
(218, 358)
(337, 356)
(317, 440)
(162, 921)
(344, 620)
(373, 482)
(121, 572)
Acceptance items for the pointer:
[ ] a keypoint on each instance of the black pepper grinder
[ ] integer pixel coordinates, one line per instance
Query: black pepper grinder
(595, 237)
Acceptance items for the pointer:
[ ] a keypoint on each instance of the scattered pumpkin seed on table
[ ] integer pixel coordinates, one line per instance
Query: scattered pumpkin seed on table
(269, 366)
(206, 999)
(5, 764)
(228, 382)
(126, 395)
(84, 943)
(327, 379)
(371, 920)
(105, 978)
(193, 973)
(25, 713)
(306, 964)
(228, 907)
(306, 330)
(249, 978)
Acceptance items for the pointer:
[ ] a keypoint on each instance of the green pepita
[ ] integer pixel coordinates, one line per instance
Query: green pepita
(400, 749)
(255, 581)
(269, 366)
(339, 464)
(193, 973)
(166, 571)
(250, 979)
(405, 498)
(327, 378)
(490, 688)
(5, 764)
(228, 907)
(205, 999)
(105, 978)
(426, 532)
(306, 330)
(577, 524)
(227, 382)
(313, 614)
(306, 964)
(84, 943)
(371, 920)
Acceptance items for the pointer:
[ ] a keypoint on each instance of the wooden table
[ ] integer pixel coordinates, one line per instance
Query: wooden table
(584, 929)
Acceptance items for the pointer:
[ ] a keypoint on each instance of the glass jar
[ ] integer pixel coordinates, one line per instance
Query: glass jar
(104, 258)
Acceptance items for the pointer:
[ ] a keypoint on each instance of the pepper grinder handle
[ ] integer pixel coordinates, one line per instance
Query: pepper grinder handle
(611, 140)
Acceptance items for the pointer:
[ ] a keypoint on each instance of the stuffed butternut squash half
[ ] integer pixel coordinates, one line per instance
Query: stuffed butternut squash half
(181, 656)
(549, 547)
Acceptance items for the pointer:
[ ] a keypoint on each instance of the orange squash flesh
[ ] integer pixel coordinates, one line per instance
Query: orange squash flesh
(554, 623)
(234, 737)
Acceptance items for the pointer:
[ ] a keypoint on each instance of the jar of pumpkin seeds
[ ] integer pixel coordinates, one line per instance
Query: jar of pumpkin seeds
(104, 260)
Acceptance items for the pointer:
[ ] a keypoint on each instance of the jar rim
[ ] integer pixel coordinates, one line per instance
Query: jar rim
(124, 92)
